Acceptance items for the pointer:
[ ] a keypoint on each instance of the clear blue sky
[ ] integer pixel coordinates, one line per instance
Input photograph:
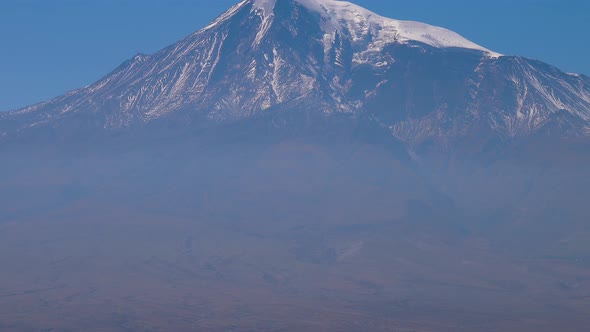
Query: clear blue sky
(50, 47)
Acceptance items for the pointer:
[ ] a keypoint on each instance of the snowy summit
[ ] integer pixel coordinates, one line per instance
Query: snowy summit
(325, 57)
(363, 24)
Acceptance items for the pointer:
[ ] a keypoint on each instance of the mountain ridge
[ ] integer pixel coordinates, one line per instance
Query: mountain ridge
(336, 58)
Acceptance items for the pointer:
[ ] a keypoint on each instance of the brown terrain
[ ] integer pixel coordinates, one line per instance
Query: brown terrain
(293, 239)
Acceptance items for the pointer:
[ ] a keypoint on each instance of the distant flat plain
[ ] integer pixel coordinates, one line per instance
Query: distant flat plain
(289, 241)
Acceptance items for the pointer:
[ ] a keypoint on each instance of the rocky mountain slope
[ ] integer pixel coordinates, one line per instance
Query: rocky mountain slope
(328, 57)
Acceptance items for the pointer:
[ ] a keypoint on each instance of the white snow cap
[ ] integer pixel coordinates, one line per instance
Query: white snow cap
(361, 22)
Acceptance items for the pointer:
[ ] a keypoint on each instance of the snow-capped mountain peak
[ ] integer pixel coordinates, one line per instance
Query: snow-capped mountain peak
(362, 24)
(269, 57)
